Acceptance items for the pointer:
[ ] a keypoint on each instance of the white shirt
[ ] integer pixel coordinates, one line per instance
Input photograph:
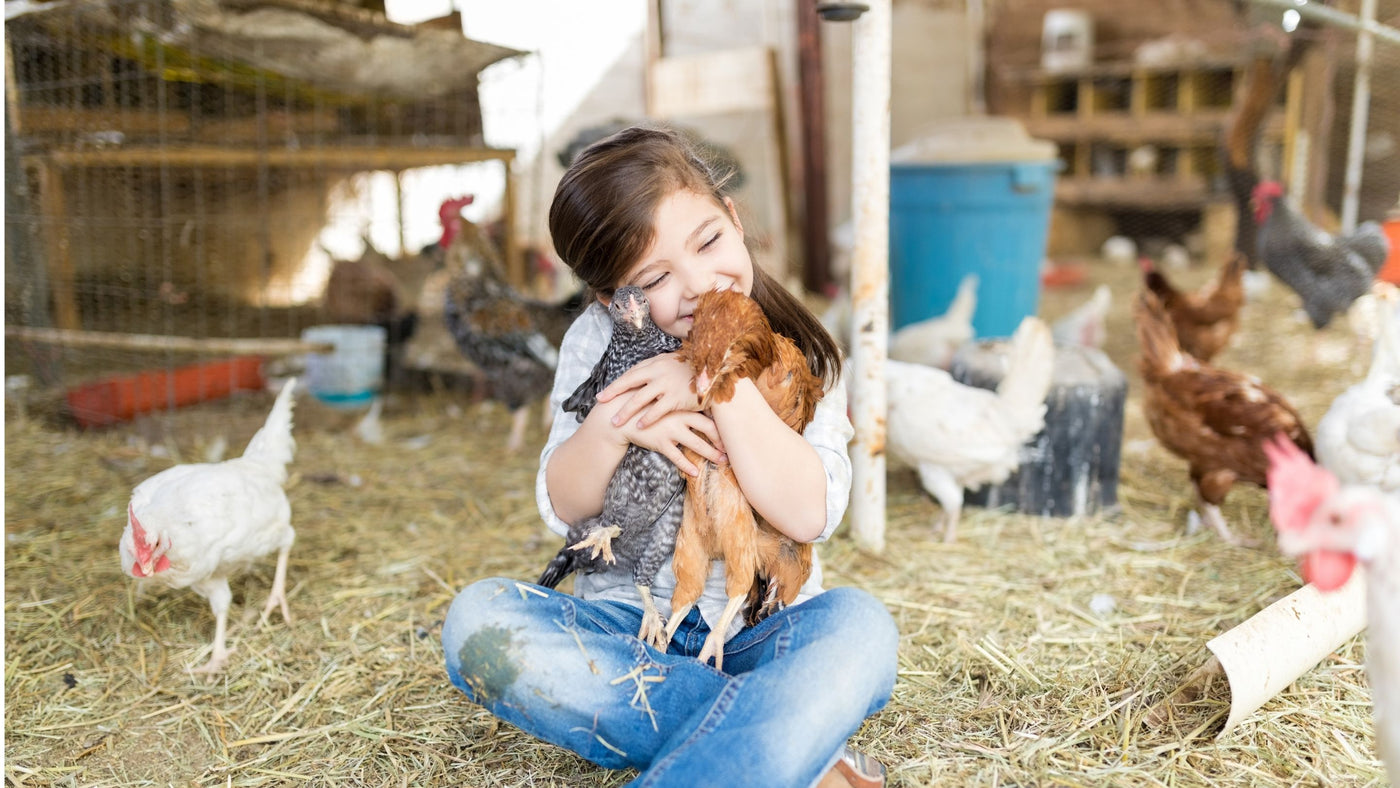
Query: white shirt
(829, 433)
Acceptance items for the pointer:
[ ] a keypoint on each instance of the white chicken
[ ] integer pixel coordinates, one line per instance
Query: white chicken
(1359, 438)
(194, 525)
(933, 342)
(960, 437)
(1332, 527)
(1087, 324)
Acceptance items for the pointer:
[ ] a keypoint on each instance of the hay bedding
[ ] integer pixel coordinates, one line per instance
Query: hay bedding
(1008, 675)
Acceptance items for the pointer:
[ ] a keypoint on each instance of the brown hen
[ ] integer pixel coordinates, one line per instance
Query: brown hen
(1205, 319)
(732, 339)
(1215, 419)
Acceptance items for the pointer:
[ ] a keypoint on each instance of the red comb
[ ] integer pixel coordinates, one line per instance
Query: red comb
(1296, 485)
(450, 209)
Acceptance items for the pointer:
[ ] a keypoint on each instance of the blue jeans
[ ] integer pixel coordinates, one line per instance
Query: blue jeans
(573, 673)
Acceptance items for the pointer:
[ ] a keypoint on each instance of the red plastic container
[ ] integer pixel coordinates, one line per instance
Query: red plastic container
(1390, 271)
(123, 397)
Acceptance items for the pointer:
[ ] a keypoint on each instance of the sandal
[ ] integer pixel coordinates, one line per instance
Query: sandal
(860, 770)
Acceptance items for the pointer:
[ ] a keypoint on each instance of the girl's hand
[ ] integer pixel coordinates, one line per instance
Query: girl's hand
(671, 432)
(653, 388)
(666, 436)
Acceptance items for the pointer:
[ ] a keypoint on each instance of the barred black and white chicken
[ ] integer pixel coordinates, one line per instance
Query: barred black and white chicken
(1328, 272)
(642, 506)
(512, 339)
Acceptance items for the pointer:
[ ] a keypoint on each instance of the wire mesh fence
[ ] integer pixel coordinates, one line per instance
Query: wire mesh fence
(180, 169)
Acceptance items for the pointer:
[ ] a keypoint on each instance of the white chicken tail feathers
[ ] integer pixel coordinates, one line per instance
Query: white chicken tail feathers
(965, 302)
(1385, 356)
(1030, 366)
(272, 445)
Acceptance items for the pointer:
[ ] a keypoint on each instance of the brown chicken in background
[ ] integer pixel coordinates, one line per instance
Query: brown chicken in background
(732, 339)
(1204, 320)
(1215, 419)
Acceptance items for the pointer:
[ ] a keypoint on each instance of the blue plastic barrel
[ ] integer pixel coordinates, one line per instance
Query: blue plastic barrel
(989, 217)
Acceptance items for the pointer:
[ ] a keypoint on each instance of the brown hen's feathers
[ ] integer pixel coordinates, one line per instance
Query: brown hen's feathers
(1204, 320)
(1215, 419)
(732, 339)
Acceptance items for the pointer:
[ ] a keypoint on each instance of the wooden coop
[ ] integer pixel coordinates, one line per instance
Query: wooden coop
(169, 163)
(1141, 128)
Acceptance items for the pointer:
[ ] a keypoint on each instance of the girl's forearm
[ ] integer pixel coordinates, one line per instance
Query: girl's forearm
(580, 468)
(781, 474)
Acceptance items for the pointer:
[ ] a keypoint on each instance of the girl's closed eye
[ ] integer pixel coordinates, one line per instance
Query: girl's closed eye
(712, 240)
(658, 279)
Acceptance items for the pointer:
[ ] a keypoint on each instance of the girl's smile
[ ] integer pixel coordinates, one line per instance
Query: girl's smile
(699, 246)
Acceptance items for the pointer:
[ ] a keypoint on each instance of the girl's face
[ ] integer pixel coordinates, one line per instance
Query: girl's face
(699, 247)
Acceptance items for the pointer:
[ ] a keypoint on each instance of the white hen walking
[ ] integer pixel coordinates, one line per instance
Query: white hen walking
(192, 526)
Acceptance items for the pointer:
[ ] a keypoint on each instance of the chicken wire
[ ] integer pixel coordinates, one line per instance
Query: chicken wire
(172, 168)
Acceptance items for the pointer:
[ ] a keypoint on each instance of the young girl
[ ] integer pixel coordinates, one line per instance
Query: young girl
(643, 208)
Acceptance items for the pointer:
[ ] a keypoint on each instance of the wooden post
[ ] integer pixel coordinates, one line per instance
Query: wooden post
(811, 82)
(53, 218)
(870, 276)
(515, 262)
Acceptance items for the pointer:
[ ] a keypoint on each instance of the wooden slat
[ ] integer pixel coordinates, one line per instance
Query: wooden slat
(367, 158)
(156, 342)
(731, 80)
(1157, 127)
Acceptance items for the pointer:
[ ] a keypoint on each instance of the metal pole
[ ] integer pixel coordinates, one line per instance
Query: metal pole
(1360, 110)
(1318, 12)
(870, 175)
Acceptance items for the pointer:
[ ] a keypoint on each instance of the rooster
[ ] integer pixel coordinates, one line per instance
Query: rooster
(1359, 437)
(933, 342)
(1204, 320)
(192, 526)
(732, 339)
(512, 339)
(637, 527)
(1328, 272)
(1215, 419)
(1332, 527)
(958, 436)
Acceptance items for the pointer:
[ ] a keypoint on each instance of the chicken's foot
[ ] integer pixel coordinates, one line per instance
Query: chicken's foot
(678, 615)
(653, 629)
(219, 598)
(278, 595)
(1210, 514)
(600, 540)
(518, 419)
(714, 643)
(939, 483)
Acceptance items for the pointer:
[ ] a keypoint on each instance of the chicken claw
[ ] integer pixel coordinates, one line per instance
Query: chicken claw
(653, 629)
(601, 542)
(1211, 516)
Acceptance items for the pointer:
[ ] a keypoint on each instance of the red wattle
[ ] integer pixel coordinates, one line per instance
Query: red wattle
(1326, 569)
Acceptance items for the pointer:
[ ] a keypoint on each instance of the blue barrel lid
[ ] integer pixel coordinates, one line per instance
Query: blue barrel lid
(974, 140)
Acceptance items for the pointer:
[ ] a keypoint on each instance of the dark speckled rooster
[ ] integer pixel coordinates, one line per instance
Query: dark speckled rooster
(512, 339)
(642, 505)
(1328, 272)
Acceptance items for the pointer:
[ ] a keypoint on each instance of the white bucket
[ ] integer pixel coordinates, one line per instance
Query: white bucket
(350, 376)
(1068, 40)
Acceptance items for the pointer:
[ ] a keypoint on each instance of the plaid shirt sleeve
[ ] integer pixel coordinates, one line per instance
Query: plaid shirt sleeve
(583, 345)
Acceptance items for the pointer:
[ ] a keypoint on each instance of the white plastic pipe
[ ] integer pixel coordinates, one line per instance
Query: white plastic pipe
(1360, 111)
(870, 284)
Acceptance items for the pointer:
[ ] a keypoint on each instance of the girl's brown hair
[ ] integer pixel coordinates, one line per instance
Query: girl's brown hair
(601, 223)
